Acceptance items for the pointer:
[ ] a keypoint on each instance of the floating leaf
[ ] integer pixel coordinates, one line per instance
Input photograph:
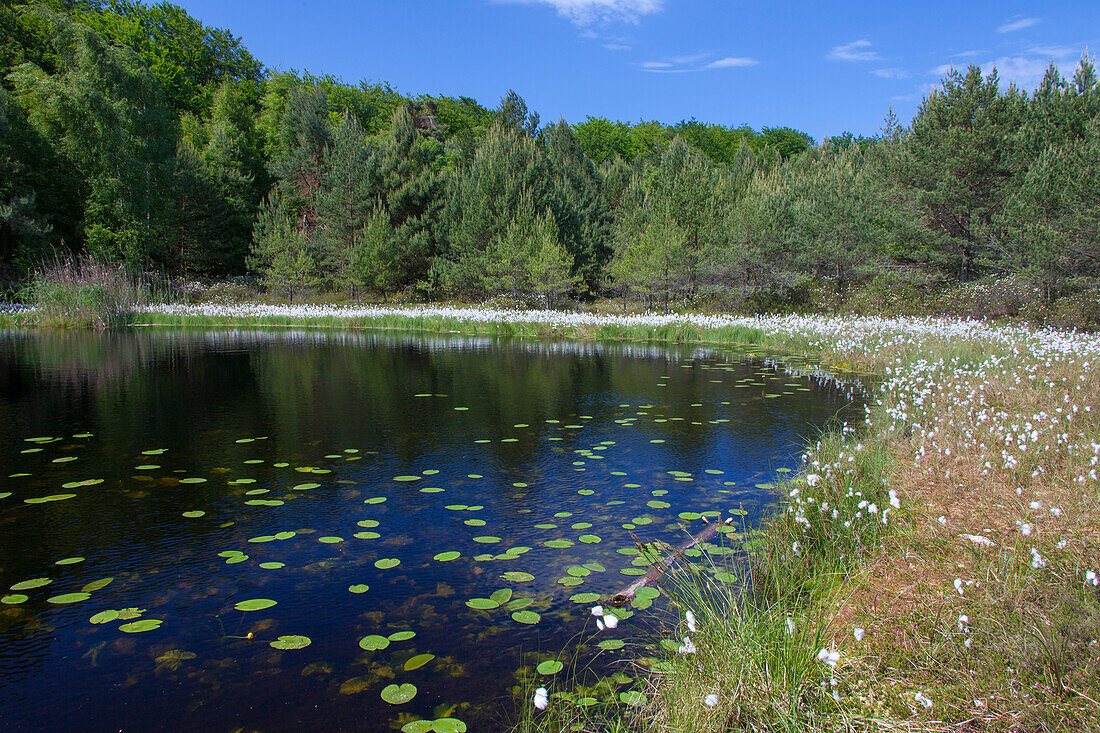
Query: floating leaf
(632, 698)
(550, 667)
(330, 540)
(194, 514)
(136, 627)
(272, 565)
(69, 598)
(374, 642)
(610, 645)
(526, 617)
(292, 641)
(85, 482)
(517, 576)
(585, 597)
(69, 561)
(254, 604)
(590, 539)
(305, 487)
(97, 585)
(398, 694)
(406, 478)
(386, 563)
(64, 459)
(358, 588)
(368, 523)
(374, 500)
(726, 577)
(448, 556)
(418, 661)
(559, 544)
(487, 540)
(193, 480)
(482, 604)
(146, 467)
(501, 596)
(51, 497)
(402, 635)
(236, 559)
(13, 599)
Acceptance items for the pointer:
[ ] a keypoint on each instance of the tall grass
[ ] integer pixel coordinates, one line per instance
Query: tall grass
(83, 293)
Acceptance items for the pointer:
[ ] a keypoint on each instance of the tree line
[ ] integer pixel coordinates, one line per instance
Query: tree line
(134, 133)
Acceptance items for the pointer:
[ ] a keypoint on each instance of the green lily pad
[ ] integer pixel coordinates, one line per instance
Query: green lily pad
(374, 500)
(32, 583)
(517, 576)
(398, 694)
(633, 698)
(136, 627)
(526, 617)
(590, 539)
(366, 535)
(418, 661)
(104, 617)
(418, 726)
(272, 565)
(146, 467)
(550, 667)
(13, 599)
(330, 540)
(254, 604)
(46, 499)
(402, 635)
(69, 598)
(305, 487)
(501, 596)
(374, 642)
(386, 563)
(482, 604)
(406, 478)
(292, 641)
(487, 540)
(610, 645)
(447, 556)
(97, 585)
(519, 603)
(194, 514)
(368, 523)
(448, 725)
(585, 597)
(559, 544)
(358, 588)
(193, 480)
(85, 482)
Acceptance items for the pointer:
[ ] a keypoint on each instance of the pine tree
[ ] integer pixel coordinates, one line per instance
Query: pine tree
(549, 266)
(346, 199)
(280, 252)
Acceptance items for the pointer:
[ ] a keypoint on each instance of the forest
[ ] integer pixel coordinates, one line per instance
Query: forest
(135, 134)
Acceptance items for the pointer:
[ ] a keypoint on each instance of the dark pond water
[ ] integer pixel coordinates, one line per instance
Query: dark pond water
(202, 470)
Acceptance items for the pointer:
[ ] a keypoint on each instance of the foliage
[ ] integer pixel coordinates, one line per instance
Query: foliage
(83, 293)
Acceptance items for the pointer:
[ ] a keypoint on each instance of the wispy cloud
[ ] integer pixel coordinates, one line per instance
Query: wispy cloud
(730, 62)
(696, 62)
(1025, 72)
(584, 12)
(855, 51)
(891, 73)
(1016, 23)
(616, 46)
(1056, 52)
(942, 69)
(966, 54)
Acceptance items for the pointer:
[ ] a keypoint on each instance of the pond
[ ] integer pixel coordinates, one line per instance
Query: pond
(322, 530)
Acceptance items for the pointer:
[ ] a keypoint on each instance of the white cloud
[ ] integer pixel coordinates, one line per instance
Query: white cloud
(966, 54)
(942, 69)
(696, 62)
(616, 46)
(1016, 23)
(854, 51)
(1057, 52)
(583, 12)
(891, 73)
(731, 62)
(1025, 72)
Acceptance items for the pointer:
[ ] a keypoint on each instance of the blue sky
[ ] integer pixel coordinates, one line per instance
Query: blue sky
(822, 67)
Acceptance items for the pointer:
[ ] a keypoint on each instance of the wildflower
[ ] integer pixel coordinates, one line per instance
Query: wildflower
(894, 501)
(923, 700)
(1091, 578)
(978, 539)
(963, 621)
(828, 657)
(710, 700)
(611, 620)
(688, 647)
(813, 479)
(597, 611)
(541, 698)
(942, 520)
(858, 633)
(1025, 529)
(689, 618)
(958, 585)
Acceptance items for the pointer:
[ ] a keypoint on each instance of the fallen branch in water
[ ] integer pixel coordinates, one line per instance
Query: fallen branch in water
(658, 569)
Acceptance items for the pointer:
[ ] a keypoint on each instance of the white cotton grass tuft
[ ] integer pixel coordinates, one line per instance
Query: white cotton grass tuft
(958, 585)
(688, 647)
(1025, 529)
(923, 700)
(1091, 578)
(541, 699)
(858, 633)
(689, 619)
(790, 626)
(710, 700)
(829, 657)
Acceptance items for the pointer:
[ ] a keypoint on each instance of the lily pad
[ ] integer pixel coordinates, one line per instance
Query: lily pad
(402, 635)
(585, 597)
(69, 598)
(292, 641)
(386, 563)
(193, 480)
(487, 540)
(501, 596)
(97, 585)
(32, 583)
(550, 667)
(559, 544)
(85, 482)
(104, 617)
(136, 627)
(305, 487)
(448, 725)
(13, 599)
(590, 539)
(51, 497)
(418, 661)
(374, 642)
(254, 604)
(194, 514)
(517, 576)
(482, 604)
(366, 535)
(398, 694)
(272, 565)
(526, 617)
(633, 698)
(610, 645)
(330, 540)
(358, 588)
(447, 556)
(406, 478)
